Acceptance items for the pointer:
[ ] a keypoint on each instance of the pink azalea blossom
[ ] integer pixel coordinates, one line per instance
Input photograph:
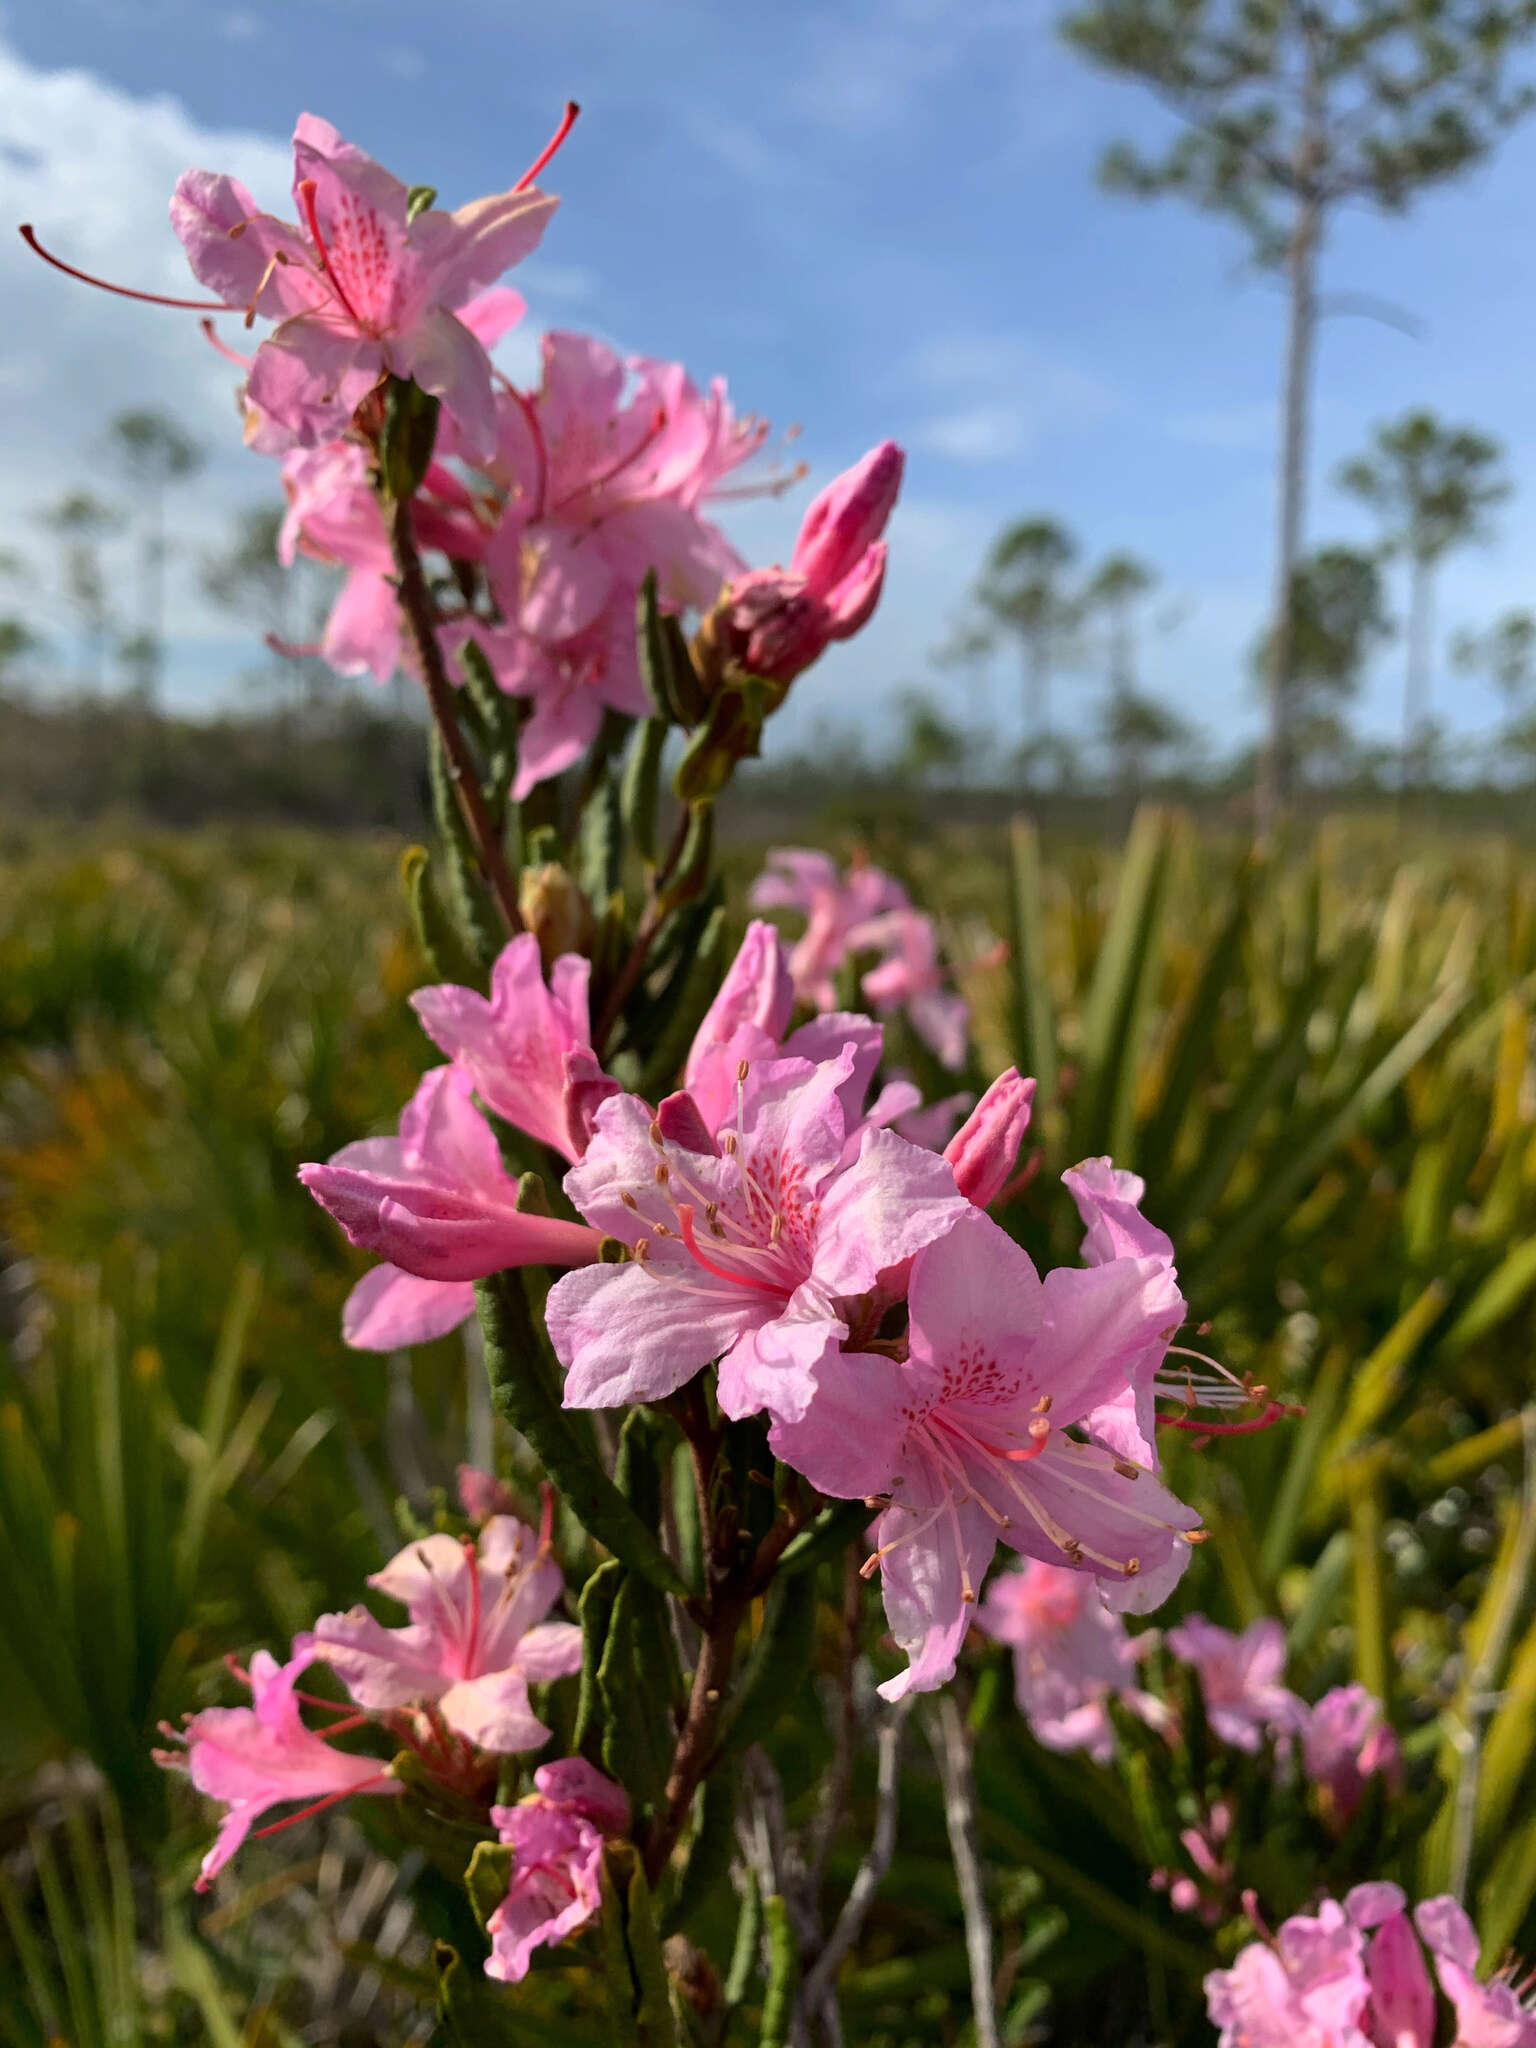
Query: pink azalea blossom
(967, 1436)
(436, 1200)
(985, 1148)
(1240, 1679)
(257, 1757)
(333, 516)
(910, 977)
(360, 290)
(760, 1247)
(389, 1310)
(606, 471)
(556, 1836)
(1488, 2015)
(933, 1124)
(1070, 1654)
(482, 1494)
(528, 1050)
(776, 622)
(834, 906)
(476, 1639)
(1346, 1739)
(1353, 1976)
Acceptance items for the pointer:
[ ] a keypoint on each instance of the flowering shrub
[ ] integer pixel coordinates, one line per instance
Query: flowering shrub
(757, 1311)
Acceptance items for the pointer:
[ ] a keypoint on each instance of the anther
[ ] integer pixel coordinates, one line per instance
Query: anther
(1132, 1567)
(1126, 1469)
(729, 1144)
(1043, 1405)
(743, 1068)
(1195, 1537)
(629, 1201)
(663, 1173)
(642, 1250)
(1073, 1550)
(656, 1138)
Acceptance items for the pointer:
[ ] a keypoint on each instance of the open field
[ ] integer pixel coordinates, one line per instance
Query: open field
(1322, 1065)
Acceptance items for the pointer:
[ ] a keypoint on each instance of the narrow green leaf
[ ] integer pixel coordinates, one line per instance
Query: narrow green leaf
(523, 1392)
(1034, 1017)
(640, 789)
(783, 1975)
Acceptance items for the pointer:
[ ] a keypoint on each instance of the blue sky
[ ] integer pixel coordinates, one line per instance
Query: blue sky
(875, 217)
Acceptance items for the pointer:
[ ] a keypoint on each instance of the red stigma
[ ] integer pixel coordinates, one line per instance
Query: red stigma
(29, 236)
(567, 123)
(305, 191)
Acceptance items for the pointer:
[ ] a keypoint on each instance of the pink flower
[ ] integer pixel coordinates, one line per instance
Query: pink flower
(360, 290)
(1070, 1654)
(910, 978)
(985, 1147)
(761, 1248)
(482, 1494)
(1309, 1991)
(389, 1310)
(606, 470)
(967, 1436)
(556, 1835)
(776, 622)
(1240, 1679)
(475, 1641)
(437, 1201)
(528, 1050)
(254, 1758)
(1487, 2015)
(1323, 1984)
(797, 878)
(1345, 1739)
(333, 516)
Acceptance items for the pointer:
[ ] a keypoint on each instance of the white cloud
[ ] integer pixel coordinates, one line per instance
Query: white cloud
(961, 376)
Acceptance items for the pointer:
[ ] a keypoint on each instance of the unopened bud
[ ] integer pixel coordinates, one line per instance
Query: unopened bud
(846, 519)
(555, 910)
(983, 1150)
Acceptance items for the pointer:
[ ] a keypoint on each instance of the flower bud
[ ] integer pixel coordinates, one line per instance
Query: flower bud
(984, 1149)
(846, 518)
(554, 909)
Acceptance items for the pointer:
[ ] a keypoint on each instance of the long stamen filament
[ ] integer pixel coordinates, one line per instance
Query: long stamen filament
(123, 291)
(567, 123)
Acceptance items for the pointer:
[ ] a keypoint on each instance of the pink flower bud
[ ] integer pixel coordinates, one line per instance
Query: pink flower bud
(850, 605)
(846, 518)
(777, 628)
(984, 1149)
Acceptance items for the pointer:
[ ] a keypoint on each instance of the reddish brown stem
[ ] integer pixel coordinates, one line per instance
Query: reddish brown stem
(698, 1739)
(420, 617)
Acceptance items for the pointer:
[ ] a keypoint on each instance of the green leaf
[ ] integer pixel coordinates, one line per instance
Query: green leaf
(1034, 1017)
(708, 1850)
(683, 1001)
(636, 1685)
(783, 1975)
(666, 666)
(596, 1612)
(777, 1660)
(1119, 996)
(480, 930)
(641, 786)
(445, 952)
(639, 1999)
(523, 1392)
(600, 845)
(406, 437)
(488, 1879)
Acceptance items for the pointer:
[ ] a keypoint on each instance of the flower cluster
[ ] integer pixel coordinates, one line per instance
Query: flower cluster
(1354, 1976)
(548, 509)
(865, 911)
(845, 1281)
(451, 1684)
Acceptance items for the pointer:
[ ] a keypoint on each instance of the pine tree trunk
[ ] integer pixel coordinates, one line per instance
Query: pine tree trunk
(1416, 680)
(1276, 763)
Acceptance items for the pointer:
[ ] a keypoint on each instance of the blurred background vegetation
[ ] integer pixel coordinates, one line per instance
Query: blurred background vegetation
(1321, 1060)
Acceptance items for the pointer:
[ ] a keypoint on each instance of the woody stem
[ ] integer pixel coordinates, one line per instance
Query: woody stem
(420, 616)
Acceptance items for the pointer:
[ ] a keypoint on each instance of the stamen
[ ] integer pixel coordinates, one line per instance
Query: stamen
(685, 1221)
(222, 347)
(292, 1820)
(29, 236)
(567, 123)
